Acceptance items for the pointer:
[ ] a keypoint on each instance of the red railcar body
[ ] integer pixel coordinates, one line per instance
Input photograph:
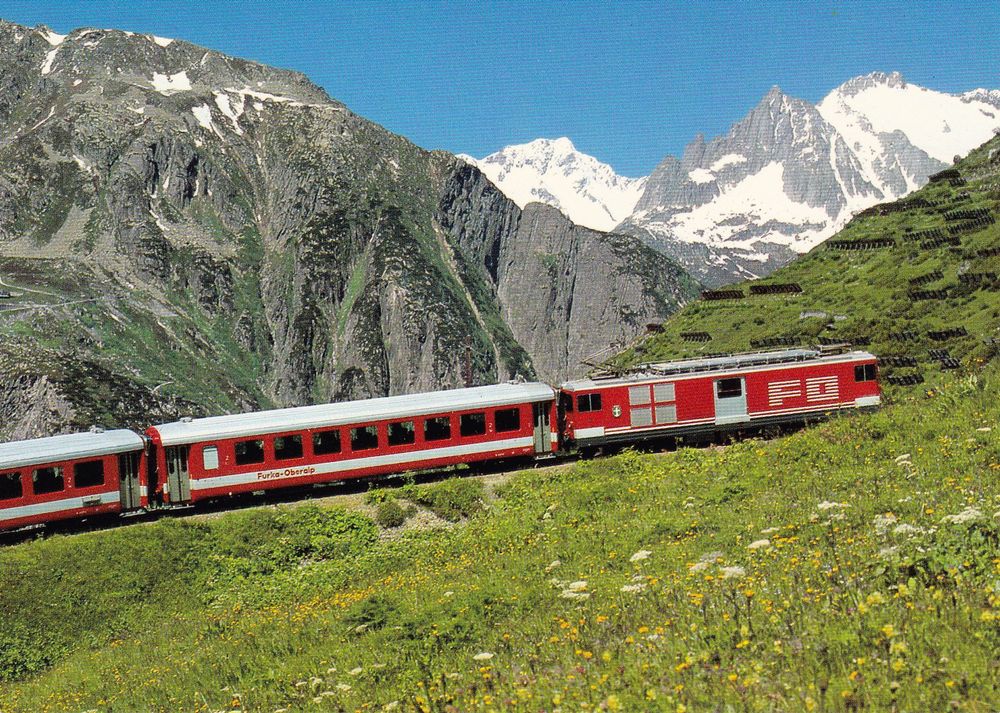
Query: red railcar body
(717, 394)
(72, 476)
(213, 457)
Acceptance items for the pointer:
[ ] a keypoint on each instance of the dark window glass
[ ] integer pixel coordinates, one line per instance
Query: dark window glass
(567, 402)
(89, 474)
(864, 372)
(364, 438)
(729, 388)
(288, 447)
(401, 433)
(472, 424)
(48, 480)
(508, 419)
(10, 486)
(437, 429)
(588, 402)
(326, 442)
(248, 452)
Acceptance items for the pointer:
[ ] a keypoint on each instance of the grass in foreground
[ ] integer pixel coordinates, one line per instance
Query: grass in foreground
(851, 566)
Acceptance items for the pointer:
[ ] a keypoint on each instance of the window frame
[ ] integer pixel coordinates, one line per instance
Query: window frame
(204, 457)
(435, 438)
(723, 392)
(505, 426)
(284, 438)
(589, 400)
(19, 479)
(476, 417)
(370, 429)
(60, 474)
(76, 475)
(328, 432)
(397, 427)
(868, 373)
(236, 452)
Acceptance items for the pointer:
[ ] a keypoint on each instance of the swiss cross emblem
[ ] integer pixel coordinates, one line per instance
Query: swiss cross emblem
(616, 411)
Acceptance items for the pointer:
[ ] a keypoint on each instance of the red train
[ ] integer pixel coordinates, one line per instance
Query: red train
(181, 463)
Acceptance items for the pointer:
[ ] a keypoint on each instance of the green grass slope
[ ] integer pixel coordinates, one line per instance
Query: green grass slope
(898, 298)
(852, 566)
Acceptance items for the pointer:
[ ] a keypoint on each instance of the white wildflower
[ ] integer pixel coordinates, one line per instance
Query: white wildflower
(905, 458)
(640, 555)
(710, 557)
(884, 521)
(356, 671)
(734, 572)
(483, 656)
(552, 565)
(449, 593)
(770, 530)
(343, 687)
(570, 594)
(578, 586)
(968, 515)
(886, 552)
(759, 544)
(984, 429)
(634, 588)
(907, 530)
(830, 505)
(698, 567)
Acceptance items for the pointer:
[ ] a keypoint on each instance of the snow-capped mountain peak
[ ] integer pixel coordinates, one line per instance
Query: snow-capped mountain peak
(553, 171)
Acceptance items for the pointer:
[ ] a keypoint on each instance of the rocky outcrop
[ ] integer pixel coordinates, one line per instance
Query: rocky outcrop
(227, 234)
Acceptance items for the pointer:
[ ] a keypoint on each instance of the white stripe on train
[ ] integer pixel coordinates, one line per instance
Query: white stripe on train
(270, 476)
(54, 506)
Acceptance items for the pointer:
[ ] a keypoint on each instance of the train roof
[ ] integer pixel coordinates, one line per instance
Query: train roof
(725, 362)
(72, 446)
(348, 412)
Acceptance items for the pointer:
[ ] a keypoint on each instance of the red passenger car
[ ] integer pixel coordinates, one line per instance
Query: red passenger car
(72, 476)
(709, 395)
(212, 457)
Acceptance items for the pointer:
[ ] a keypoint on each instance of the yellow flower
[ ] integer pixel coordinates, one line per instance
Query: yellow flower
(888, 631)
(613, 703)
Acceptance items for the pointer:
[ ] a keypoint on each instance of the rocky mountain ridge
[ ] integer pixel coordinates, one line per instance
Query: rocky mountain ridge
(198, 233)
(790, 174)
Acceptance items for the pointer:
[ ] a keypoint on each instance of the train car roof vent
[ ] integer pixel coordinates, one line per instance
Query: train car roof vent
(186, 419)
(97, 429)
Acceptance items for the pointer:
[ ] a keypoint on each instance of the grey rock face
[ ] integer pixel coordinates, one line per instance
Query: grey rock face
(226, 233)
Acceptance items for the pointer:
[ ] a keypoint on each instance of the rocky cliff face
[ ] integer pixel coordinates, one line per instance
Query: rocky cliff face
(212, 234)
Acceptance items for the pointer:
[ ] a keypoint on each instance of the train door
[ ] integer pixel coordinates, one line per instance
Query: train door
(178, 478)
(543, 433)
(128, 480)
(731, 400)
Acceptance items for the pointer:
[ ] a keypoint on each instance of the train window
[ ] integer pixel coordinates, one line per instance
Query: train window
(567, 402)
(210, 457)
(326, 442)
(364, 438)
(48, 480)
(88, 474)
(437, 429)
(288, 447)
(864, 372)
(508, 419)
(248, 452)
(10, 486)
(588, 402)
(729, 388)
(402, 433)
(472, 424)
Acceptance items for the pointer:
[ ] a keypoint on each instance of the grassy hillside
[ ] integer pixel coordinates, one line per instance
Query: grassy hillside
(891, 281)
(851, 566)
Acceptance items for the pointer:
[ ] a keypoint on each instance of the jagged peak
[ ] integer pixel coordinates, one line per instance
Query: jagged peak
(857, 85)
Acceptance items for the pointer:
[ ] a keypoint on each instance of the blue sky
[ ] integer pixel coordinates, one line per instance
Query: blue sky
(628, 82)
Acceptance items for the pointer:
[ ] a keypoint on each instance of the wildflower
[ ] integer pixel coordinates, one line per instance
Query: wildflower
(883, 522)
(613, 703)
(905, 458)
(830, 505)
(356, 671)
(968, 515)
(759, 544)
(698, 567)
(888, 631)
(578, 586)
(552, 565)
(449, 593)
(343, 687)
(770, 530)
(907, 529)
(483, 656)
(734, 572)
(640, 555)
(984, 429)
(634, 588)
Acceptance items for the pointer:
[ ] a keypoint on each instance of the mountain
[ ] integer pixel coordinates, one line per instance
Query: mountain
(783, 179)
(186, 232)
(589, 192)
(914, 281)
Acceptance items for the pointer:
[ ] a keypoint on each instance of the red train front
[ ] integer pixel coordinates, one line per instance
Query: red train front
(696, 396)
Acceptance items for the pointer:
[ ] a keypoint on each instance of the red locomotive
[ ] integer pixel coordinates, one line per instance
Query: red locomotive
(191, 460)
